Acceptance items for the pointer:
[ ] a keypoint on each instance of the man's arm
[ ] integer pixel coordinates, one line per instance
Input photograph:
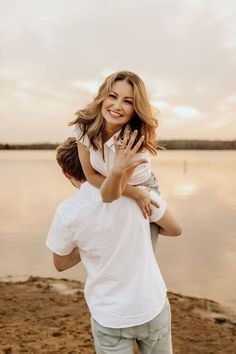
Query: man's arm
(64, 262)
(168, 225)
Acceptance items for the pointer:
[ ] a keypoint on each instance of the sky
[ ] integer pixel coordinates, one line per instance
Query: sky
(54, 54)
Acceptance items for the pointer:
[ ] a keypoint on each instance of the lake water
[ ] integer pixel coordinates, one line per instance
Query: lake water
(200, 189)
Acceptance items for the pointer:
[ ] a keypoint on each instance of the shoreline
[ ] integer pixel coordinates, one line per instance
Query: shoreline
(24, 278)
(49, 315)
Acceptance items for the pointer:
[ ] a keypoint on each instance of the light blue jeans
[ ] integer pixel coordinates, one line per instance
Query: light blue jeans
(153, 337)
(153, 184)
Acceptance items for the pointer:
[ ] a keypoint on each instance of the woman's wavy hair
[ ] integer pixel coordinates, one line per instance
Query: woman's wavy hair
(92, 123)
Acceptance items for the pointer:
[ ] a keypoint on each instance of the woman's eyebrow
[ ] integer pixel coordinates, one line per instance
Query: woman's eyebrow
(118, 95)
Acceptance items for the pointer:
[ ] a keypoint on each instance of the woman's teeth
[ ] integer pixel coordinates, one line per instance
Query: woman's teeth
(114, 114)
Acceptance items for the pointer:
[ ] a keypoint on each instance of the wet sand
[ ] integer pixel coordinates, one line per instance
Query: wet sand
(50, 316)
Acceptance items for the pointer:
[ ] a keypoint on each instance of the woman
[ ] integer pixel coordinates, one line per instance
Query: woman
(121, 105)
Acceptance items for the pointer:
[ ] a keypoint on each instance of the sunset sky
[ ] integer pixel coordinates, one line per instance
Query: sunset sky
(56, 53)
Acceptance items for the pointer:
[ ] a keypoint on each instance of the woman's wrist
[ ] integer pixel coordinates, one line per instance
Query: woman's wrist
(117, 172)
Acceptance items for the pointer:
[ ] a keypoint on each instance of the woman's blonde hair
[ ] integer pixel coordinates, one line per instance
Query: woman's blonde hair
(92, 123)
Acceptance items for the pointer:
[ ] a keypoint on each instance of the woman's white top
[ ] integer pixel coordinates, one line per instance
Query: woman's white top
(141, 173)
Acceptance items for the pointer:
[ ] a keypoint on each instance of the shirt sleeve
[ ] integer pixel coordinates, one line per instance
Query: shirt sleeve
(58, 240)
(78, 135)
(157, 213)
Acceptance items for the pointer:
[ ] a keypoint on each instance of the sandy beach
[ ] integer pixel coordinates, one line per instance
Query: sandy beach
(46, 315)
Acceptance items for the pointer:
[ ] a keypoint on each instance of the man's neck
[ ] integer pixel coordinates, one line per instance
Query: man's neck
(75, 182)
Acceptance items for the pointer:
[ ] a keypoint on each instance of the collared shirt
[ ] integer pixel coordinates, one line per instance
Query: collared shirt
(104, 164)
(124, 286)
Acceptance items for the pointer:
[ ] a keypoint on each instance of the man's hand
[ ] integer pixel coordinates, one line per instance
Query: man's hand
(144, 201)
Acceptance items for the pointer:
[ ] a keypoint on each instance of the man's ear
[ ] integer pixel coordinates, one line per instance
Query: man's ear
(66, 174)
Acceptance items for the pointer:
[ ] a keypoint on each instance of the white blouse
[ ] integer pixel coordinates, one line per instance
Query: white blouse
(141, 173)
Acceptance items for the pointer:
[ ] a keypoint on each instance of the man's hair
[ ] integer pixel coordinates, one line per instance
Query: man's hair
(68, 159)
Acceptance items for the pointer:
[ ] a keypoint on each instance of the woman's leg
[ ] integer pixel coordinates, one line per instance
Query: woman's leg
(154, 229)
(152, 183)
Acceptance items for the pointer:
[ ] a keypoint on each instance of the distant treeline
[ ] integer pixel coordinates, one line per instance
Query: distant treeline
(198, 144)
(167, 144)
(38, 146)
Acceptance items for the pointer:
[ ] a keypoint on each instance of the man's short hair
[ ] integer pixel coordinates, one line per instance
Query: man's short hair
(68, 159)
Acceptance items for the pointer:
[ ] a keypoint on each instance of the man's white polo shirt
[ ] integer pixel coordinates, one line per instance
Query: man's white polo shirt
(124, 286)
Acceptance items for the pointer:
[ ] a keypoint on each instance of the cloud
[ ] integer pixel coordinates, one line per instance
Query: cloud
(56, 53)
(88, 85)
(186, 112)
(159, 104)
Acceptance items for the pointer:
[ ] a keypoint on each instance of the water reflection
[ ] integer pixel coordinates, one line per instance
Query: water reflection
(185, 188)
(201, 192)
(185, 167)
(198, 185)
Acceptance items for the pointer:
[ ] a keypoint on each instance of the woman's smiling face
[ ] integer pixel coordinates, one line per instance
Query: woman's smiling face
(118, 108)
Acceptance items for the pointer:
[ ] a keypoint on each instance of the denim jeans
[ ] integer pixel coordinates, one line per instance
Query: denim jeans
(153, 337)
(153, 184)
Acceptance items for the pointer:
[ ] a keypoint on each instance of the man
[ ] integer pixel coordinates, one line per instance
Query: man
(124, 290)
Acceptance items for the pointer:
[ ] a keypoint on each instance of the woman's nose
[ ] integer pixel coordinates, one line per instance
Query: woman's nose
(117, 104)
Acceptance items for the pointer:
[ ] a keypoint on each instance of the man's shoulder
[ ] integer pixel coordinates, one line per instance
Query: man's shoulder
(88, 198)
(87, 194)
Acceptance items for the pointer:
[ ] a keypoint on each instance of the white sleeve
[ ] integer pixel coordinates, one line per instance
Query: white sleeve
(77, 134)
(58, 240)
(157, 213)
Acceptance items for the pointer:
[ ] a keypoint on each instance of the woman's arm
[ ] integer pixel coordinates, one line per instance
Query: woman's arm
(141, 197)
(92, 176)
(124, 164)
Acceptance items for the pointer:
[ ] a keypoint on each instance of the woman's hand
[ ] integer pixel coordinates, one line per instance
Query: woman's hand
(125, 158)
(125, 161)
(144, 201)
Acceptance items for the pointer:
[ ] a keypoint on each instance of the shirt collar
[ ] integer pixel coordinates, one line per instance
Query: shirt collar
(85, 186)
(110, 142)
